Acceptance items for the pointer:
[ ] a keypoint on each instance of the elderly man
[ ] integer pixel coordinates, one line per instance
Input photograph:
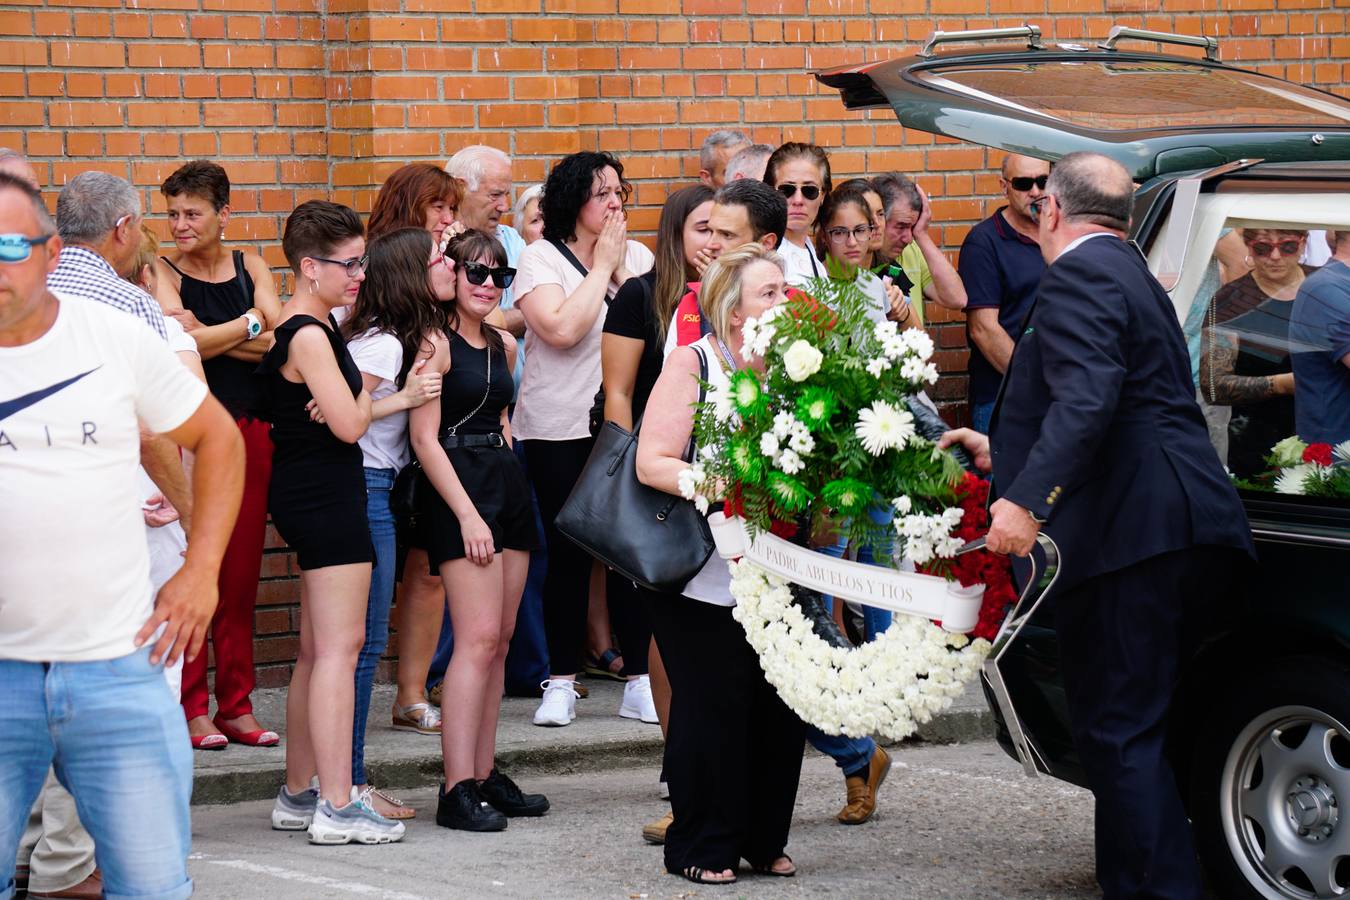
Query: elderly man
(924, 273)
(1097, 439)
(749, 162)
(83, 691)
(1000, 266)
(718, 148)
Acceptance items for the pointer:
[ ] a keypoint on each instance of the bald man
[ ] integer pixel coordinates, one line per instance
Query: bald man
(1000, 266)
(12, 162)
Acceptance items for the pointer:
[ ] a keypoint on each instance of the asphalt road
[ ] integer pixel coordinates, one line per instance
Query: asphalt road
(958, 821)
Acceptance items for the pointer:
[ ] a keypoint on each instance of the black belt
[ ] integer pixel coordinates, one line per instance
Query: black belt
(455, 441)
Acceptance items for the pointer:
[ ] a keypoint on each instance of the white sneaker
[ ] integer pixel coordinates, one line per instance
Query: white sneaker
(637, 700)
(357, 822)
(559, 706)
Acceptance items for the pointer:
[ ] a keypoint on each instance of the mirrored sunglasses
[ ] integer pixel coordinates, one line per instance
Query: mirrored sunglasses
(15, 248)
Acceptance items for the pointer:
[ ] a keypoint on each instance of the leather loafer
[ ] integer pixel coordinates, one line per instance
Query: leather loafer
(89, 889)
(862, 791)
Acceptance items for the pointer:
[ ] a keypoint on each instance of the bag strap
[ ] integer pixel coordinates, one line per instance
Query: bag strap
(239, 277)
(702, 395)
(569, 256)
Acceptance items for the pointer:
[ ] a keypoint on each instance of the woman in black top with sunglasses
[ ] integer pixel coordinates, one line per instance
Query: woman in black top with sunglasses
(801, 173)
(476, 523)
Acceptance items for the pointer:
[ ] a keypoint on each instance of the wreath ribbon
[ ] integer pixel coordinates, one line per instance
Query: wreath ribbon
(955, 608)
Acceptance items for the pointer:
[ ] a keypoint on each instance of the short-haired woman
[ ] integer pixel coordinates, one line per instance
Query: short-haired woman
(477, 524)
(565, 281)
(526, 216)
(388, 334)
(801, 173)
(227, 302)
(734, 751)
(319, 410)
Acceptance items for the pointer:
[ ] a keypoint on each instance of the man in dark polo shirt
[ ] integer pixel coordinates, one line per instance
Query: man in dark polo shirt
(1001, 265)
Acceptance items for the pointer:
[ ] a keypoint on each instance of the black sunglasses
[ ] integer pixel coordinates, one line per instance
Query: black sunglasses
(477, 273)
(809, 191)
(1024, 183)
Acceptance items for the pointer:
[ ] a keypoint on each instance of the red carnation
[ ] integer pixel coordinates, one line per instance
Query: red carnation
(1318, 453)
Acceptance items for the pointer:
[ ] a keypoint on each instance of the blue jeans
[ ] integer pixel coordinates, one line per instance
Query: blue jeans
(119, 743)
(527, 658)
(980, 414)
(378, 484)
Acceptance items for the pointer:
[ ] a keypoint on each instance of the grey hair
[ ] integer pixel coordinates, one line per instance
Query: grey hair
(893, 187)
(1092, 188)
(9, 153)
(90, 205)
(724, 137)
(533, 192)
(468, 165)
(749, 162)
(46, 224)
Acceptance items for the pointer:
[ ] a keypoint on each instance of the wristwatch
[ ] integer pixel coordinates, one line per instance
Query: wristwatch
(254, 326)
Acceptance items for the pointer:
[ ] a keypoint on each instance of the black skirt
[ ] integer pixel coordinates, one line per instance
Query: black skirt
(495, 482)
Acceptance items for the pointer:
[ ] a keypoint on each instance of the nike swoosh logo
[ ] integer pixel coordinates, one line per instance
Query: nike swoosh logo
(18, 404)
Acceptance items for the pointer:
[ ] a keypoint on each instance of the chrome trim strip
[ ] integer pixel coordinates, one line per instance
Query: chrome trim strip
(1294, 537)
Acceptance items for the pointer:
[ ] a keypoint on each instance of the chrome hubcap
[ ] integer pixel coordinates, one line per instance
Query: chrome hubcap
(1281, 789)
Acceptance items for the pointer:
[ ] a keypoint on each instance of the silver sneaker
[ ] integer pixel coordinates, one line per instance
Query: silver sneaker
(294, 812)
(354, 823)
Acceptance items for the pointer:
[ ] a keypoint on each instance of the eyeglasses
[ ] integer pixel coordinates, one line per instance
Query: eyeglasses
(840, 234)
(15, 248)
(477, 273)
(809, 191)
(1265, 248)
(1024, 183)
(354, 266)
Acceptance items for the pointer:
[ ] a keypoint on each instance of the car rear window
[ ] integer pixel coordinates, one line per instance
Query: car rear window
(1141, 94)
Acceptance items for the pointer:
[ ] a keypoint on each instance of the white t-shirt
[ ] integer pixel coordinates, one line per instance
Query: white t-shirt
(385, 443)
(559, 386)
(799, 263)
(74, 569)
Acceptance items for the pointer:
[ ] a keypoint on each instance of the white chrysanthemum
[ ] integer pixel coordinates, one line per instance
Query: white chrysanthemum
(801, 440)
(930, 374)
(918, 341)
(902, 505)
(1342, 451)
(1294, 480)
(876, 366)
(757, 334)
(912, 369)
(790, 462)
(719, 397)
(768, 444)
(801, 360)
(784, 425)
(708, 452)
(883, 427)
(689, 479)
(885, 330)
(701, 504)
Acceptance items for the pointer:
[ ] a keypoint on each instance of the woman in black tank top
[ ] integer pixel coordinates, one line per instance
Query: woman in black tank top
(213, 292)
(477, 526)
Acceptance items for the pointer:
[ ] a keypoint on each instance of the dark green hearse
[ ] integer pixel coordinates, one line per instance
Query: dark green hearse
(1261, 737)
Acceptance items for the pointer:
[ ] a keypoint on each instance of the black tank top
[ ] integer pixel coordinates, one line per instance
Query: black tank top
(215, 303)
(298, 441)
(464, 386)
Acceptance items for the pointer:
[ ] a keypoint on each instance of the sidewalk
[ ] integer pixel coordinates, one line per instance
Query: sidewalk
(597, 740)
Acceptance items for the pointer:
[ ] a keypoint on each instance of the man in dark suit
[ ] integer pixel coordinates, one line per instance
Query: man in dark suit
(1096, 437)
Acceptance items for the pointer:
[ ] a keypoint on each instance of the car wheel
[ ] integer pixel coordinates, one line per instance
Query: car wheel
(1270, 786)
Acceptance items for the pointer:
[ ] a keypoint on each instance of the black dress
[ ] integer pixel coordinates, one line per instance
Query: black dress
(1263, 350)
(318, 493)
(215, 303)
(488, 469)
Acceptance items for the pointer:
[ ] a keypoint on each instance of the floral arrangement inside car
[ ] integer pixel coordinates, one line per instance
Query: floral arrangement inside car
(1312, 470)
(824, 441)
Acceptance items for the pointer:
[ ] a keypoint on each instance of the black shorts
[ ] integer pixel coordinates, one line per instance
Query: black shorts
(324, 526)
(495, 482)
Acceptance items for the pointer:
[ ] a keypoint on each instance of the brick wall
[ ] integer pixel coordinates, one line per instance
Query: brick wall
(306, 98)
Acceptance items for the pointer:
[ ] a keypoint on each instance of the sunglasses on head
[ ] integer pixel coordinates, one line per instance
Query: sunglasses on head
(1265, 248)
(15, 248)
(1024, 183)
(809, 191)
(477, 273)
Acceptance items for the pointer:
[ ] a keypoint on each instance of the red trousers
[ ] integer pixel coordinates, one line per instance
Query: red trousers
(232, 625)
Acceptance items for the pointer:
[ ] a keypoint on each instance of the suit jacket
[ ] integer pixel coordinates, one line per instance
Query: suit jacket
(1096, 428)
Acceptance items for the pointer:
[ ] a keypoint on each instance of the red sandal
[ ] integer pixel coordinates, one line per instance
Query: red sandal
(259, 738)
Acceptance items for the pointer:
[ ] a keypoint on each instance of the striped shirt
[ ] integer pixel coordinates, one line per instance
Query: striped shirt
(83, 273)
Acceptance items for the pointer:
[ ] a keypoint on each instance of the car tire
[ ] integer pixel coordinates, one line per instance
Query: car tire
(1270, 783)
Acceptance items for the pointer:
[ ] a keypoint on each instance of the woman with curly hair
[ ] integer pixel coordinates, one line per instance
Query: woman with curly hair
(565, 282)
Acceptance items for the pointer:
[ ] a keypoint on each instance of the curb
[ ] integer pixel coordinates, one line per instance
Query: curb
(216, 786)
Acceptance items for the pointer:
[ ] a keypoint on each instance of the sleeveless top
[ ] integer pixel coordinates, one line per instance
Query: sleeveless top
(215, 303)
(465, 384)
(712, 584)
(298, 441)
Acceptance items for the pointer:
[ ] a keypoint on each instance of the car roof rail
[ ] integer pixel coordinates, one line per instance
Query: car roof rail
(1031, 32)
(1123, 32)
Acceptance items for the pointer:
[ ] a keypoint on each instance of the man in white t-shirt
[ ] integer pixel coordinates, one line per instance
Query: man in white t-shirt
(83, 639)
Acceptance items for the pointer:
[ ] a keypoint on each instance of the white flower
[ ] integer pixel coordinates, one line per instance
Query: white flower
(912, 369)
(768, 444)
(930, 373)
(801, 440)
(878, 365)
(709, 453)
(758, 334)
(883, 427)
(689, 479)
(1288, 452)
(784, 425)
(701, 504)
(719, 397)
(790, 462)
(802, 360)
(1294, 480)
(1342, 451)
(902, 505)
(918, 341)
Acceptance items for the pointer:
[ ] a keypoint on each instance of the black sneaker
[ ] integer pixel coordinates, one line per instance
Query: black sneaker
(501, 792)
(463, 807)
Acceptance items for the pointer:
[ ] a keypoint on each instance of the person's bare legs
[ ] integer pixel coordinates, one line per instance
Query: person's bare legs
(514, 570)
(299, 748)
(476, 616)
(335, 617)
(420, 602)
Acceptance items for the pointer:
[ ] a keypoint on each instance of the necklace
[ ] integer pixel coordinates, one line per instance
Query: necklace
(487, 389)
